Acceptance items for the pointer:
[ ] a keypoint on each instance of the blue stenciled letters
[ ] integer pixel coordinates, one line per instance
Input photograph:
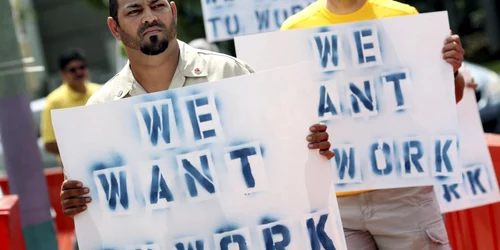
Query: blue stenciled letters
(477, 180)
(113, 188)
(190, 244)
(327, 51)
(157, 124)
(270, 231)
(399, 83)
(414, 160)
(319, 238)
(446, 155)
(363, 98)
(476, 183)
(203, 117)
(450, 192)
(329, 102)
(214, 21)
(244, 162)
(231, 25)
(229, 240)
(243, 155)
(280, 15)
(197, 168)
(159, 187)
(346, 164)
(366, 47)
(381, 157)
(232, 30)
(262, 19)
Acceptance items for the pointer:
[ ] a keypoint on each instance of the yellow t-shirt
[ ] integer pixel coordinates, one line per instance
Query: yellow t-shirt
(62, 97)
(316, 15)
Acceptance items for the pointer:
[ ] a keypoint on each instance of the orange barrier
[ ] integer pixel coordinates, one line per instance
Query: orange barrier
(478, 228)
(64, 225)
(11, 234)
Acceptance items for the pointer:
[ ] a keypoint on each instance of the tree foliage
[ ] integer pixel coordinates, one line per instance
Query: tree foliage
(468, 18)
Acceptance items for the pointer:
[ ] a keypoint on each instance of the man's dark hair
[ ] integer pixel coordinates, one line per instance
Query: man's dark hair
(113, 10)
(70, 55)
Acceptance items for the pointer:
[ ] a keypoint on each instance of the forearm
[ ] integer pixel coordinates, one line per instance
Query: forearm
(52, 147)
(459, 87)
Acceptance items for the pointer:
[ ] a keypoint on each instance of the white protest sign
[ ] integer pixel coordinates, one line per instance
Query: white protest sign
(480, 185)
(226, 19)
(386, 95)
(213, 166)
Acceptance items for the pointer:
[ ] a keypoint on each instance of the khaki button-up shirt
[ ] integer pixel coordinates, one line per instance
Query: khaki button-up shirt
(195, 66)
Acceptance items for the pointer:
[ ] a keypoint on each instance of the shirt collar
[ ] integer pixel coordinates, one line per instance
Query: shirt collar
(190, 64)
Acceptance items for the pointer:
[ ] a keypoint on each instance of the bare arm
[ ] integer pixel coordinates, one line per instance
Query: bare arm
(52, 147)
(459, 87)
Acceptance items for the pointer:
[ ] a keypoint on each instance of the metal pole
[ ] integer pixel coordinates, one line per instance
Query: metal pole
(22, 157)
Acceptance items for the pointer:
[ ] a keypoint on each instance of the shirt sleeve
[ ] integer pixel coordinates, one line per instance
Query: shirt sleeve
(46, 129)
(287, 25)
(414, 11)
(242, 68)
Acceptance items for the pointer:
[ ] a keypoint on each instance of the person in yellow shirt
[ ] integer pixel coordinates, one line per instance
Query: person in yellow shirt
(74, 91)
(403, 218)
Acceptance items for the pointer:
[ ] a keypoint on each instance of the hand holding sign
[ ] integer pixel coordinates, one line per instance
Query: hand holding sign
(71, 197)
(453, 52)
(319, 140)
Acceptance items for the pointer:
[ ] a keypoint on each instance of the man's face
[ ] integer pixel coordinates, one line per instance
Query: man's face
(146, 25)
(75, 72)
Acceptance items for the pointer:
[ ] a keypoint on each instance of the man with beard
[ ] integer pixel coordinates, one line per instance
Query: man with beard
(159, 62)
(74, 91)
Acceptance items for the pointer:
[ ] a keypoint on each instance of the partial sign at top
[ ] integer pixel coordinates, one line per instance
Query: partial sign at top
(226, 19)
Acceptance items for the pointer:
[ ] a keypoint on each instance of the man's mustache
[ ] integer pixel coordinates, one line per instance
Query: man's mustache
(149, 25)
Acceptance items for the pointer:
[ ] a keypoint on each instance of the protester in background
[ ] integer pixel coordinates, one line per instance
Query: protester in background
(159, 62)
(202, 43)
(74, 91)
(404, 218)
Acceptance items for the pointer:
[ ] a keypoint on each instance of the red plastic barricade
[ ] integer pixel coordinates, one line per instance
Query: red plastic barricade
(478, 228)
(55, 178)
(64, 225)
(11, 233)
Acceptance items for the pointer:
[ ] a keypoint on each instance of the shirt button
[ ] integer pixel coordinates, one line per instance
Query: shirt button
(119, 93)
(197, 71)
